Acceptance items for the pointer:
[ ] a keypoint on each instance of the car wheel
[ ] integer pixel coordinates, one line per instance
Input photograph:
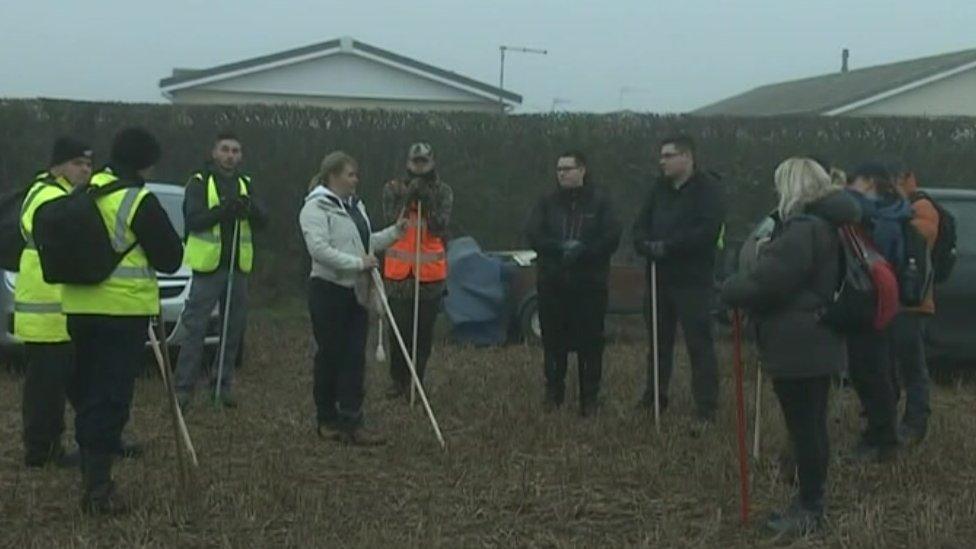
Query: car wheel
(529, 323)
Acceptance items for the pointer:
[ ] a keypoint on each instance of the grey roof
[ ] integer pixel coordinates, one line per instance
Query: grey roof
(820, 94)
(182, 76)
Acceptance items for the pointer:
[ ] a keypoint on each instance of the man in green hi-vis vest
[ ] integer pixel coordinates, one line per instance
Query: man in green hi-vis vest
(219, 203)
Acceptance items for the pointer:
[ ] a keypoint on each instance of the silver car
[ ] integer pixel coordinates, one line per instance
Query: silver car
(173, 289)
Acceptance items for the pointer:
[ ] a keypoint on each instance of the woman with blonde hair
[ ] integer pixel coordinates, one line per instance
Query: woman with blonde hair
(341, 242)
(794, 278)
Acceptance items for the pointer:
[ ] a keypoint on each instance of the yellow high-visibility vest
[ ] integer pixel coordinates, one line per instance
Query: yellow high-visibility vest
(203, 247)
(38, 317)
(131, 289)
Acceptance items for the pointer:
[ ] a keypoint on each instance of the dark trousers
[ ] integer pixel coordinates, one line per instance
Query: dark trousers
(804, 405)
(49, 370)
(691, 307)
(403, 314)
(869, 365)
(339, 324)
(572, 319)
(109, 354)
(911, 371)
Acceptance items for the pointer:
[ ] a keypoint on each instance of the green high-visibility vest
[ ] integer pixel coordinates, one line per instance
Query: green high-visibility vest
(203, 247)
(131, 289)
(38, 317)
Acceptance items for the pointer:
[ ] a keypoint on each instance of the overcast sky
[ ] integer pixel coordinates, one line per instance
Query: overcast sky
(645, 55)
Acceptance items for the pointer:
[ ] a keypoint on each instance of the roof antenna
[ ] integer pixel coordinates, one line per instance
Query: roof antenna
(845, 56)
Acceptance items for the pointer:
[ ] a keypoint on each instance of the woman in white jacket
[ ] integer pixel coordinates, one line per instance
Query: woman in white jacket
(340, 240)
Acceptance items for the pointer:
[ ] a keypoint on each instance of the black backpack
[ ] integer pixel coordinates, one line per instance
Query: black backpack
(11, 237)
(72, 240)
(944, 250)
(866, 298)
(915, 273)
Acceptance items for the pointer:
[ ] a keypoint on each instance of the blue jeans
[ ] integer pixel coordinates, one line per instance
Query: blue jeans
(911, 372)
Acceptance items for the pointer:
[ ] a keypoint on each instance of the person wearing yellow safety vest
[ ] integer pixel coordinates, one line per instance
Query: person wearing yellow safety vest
(108, 321)
(218, 198)
(677, 231)
(38, 319)
(400, 199)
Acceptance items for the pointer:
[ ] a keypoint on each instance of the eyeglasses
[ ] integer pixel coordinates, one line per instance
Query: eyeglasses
(668, 156)
(419, 160)
(561, 169)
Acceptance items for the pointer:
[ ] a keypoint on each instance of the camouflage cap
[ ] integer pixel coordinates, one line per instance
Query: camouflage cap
(420, 150)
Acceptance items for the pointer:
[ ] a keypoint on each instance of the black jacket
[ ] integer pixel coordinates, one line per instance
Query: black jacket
(198, 217)
(585, 214)
(688, 220)
(153, 229)
(793, 279)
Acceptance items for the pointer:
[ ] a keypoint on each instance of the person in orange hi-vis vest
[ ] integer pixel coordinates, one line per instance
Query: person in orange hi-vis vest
(421, 187)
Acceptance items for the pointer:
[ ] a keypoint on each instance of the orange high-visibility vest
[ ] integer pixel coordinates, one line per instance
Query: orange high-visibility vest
(400, 258)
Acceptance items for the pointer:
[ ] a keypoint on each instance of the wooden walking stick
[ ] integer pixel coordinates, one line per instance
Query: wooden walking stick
(416, 292)
(180, 432)
(406, 356)
(654, 349)
(740, 413)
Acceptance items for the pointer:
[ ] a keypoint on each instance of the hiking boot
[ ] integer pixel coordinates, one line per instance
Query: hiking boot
(129, 449)
(53, 454)
(554, 399)
(99, 496)
(360, 436)
(796, 520)
(872, 453)
(646, 402)
(911, 435)
(397, 391)
(327, 429)
(184, 399)
(590, 407)
(228, 400)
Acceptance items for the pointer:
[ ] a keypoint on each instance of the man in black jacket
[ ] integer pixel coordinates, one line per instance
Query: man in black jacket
(575, 232)
(219, 203)
(677, 230)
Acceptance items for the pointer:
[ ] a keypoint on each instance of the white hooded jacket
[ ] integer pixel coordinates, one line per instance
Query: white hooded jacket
(334, 243)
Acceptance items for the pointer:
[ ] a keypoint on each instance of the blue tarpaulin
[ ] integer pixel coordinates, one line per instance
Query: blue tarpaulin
(476, 294)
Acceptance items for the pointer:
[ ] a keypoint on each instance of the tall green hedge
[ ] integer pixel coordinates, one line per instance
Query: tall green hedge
(497, 165)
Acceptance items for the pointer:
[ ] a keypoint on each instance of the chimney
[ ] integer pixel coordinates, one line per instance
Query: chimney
(844, 56)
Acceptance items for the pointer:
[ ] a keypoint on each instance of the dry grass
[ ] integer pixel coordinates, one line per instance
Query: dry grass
(511, 476)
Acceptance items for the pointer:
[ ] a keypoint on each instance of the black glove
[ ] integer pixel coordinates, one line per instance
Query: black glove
(572, 250)
(225, 211)
(653, 250)
(242, 207)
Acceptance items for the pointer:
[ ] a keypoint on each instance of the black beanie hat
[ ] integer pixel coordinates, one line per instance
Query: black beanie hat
(67, 148)
(134, 148)
(871, 170)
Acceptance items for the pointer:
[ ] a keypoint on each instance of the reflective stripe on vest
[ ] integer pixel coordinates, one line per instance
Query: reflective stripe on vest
(131, 290)
(400, 259)
(203, 247)
(37, 305)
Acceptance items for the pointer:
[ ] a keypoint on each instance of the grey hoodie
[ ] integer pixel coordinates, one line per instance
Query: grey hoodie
(334, 243)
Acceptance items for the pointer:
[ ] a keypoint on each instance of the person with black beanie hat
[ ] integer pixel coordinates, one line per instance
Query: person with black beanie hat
(38, 319)
(108, 321)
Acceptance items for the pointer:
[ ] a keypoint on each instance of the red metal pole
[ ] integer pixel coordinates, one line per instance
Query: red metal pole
(740, 413)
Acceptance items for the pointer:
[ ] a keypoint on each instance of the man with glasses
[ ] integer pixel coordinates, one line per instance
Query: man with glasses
(426, 202)
(677, 230)
(575, 231)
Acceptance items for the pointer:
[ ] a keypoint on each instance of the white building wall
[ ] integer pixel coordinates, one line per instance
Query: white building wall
(953, 96)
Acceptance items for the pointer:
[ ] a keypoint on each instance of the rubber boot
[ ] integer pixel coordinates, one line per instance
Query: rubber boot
(98, 489)
(590, 369)
(555, 372)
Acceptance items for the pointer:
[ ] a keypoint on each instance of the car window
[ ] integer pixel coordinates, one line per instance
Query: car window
(965, 213)
(173, 204)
